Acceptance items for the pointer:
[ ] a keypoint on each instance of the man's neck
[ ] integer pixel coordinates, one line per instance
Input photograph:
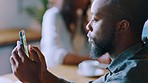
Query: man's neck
(122, 44)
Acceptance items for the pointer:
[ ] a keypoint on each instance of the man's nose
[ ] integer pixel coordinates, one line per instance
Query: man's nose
(89, 27)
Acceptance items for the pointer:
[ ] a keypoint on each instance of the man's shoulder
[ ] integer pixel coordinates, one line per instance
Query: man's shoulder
(140, 59)
(141, 54)
(133, 71)
(138, 72)
(138, 66)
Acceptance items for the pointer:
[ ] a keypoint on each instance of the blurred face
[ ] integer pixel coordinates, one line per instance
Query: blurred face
(101, 29)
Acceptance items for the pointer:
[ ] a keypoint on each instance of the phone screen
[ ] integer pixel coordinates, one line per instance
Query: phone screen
(23, 41)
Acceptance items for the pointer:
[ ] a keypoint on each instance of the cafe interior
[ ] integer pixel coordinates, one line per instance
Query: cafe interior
(16, 15)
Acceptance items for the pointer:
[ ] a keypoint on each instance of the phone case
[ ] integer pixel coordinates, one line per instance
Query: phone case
(23, 41)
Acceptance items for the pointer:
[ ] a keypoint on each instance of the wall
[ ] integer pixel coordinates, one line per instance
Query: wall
(12, 13)
(4, 59)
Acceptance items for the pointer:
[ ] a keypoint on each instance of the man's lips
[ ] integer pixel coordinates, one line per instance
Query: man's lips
(90, 39)
(89, 35)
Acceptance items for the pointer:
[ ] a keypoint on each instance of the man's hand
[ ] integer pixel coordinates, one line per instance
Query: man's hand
(46, 76)
(25, 69)
(31, 69)
(41, 58)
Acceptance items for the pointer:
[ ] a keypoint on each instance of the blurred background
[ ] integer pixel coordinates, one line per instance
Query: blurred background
(22, 14)
(14, 16)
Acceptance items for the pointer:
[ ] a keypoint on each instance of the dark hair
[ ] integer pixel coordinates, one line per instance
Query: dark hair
(69, 14)
(135, 11)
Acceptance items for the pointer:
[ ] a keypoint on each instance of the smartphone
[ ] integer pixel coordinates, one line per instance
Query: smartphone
(23, 41)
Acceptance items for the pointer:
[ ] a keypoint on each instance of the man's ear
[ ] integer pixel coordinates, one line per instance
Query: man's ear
(122, 26)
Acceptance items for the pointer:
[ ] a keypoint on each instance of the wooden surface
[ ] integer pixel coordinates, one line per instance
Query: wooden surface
(62, 71)
(70, 73)
(10, 36)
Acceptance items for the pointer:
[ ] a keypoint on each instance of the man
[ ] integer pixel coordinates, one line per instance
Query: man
(116, 27)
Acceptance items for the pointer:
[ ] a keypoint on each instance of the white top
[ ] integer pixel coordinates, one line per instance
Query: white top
(56, 41)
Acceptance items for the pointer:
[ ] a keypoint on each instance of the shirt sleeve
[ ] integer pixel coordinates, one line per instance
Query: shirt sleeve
(50, 41)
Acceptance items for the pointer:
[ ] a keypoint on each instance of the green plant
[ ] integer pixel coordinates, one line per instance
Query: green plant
(37, 13)
(44, 2)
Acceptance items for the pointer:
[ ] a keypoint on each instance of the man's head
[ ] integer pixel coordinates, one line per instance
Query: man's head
(111, 18)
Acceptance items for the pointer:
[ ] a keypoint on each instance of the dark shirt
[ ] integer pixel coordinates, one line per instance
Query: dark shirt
(131, 66)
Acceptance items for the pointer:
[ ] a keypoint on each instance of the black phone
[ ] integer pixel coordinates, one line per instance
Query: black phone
(23, 41)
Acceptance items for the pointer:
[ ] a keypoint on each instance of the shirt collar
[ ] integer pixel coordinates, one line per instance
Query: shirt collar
(116, 63)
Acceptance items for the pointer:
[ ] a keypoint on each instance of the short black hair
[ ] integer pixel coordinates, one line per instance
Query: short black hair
(134, 11)
(131, 10)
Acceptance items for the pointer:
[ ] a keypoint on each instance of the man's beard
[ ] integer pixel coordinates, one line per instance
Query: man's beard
(96, 51)
(98, 48)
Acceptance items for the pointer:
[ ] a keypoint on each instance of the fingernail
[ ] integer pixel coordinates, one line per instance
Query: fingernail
(17, 42)
(30, 47)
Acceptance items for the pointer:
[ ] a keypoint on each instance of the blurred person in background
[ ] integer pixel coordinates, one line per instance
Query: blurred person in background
(64, 38)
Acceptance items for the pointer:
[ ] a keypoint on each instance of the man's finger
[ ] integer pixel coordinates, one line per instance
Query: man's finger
(21, 52)
(33, 54)
(41, 56)
(16, 58)
(12, 61)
